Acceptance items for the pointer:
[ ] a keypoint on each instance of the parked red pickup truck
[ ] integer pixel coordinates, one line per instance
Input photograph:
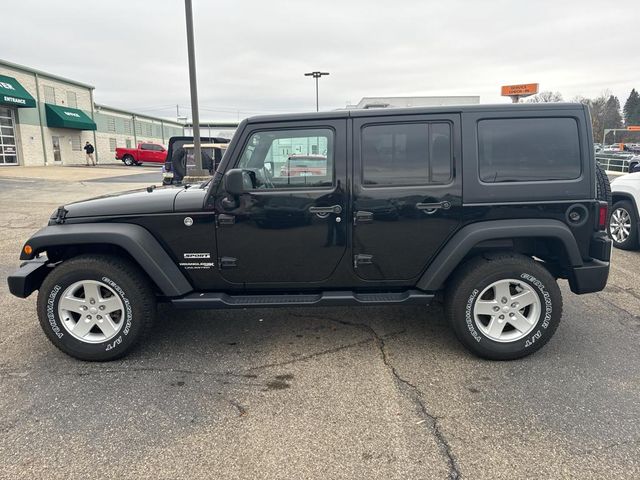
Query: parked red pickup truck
(145, 153)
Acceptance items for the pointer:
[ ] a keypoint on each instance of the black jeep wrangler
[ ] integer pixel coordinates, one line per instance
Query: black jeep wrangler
(482, 206)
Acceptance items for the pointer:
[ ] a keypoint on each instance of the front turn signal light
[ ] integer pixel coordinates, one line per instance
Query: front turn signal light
(28, 250)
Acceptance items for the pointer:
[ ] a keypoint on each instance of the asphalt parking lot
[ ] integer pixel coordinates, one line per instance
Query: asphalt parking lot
(383, 392)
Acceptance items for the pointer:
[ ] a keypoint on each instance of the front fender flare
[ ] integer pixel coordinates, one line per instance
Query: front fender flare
(469, 236)
(136, 240)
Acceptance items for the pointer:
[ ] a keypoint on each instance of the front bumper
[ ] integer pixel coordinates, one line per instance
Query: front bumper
(29, 277)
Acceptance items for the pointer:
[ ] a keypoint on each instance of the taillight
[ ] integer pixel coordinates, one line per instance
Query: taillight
(602, 216)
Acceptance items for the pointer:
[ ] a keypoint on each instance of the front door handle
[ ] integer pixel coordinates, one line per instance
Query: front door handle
(432, 207)
(332, 209)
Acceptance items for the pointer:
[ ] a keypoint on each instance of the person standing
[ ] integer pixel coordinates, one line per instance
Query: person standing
(88, 148)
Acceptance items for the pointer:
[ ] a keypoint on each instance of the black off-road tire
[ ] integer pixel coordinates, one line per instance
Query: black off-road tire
(603, 185)
(632, 242)
(466, 287)
(124, 279)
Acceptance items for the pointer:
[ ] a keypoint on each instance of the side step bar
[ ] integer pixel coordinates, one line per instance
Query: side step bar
(343, 298)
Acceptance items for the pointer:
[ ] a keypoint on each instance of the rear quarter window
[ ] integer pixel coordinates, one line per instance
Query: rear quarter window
(528, 150)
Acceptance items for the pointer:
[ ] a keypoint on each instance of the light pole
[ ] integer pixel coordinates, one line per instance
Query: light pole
(195, 118)
(316, 75)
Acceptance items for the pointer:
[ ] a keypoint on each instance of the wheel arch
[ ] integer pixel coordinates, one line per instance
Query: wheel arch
(497, 235)
(620, 196)
(138, 244)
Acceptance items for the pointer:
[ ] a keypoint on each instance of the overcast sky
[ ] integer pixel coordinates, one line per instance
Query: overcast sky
(251, 54)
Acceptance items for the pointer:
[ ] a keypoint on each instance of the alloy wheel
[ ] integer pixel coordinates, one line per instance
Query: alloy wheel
(91, 311)
(507, 310)
(620, 225)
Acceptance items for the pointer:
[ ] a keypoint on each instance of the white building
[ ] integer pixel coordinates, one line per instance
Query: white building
(46, 120)
(391, 102)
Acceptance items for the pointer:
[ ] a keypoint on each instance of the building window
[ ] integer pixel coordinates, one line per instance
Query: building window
(113, 144)
(72, 99)
(128, 143)
(148, 129)
(49, 94)
(138, 128)
(127, 127)
(406, 154)
(528, 150)
(111, 124)
(76, 144)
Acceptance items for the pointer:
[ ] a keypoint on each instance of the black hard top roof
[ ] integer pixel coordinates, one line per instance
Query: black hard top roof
(378, 112)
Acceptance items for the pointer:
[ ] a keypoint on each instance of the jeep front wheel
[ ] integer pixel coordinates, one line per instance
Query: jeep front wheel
(503, 307)
(95, 307)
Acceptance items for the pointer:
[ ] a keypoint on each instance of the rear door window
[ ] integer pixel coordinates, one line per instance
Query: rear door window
(406, 154)
(528, 150)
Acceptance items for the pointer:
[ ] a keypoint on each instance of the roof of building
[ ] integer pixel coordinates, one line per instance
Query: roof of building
(40, 73)
(100, 108)
(213, 124)
(416, 101)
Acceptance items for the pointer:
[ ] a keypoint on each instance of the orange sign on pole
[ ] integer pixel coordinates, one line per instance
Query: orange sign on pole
(520, 90)
(517, 91)
(634, 128)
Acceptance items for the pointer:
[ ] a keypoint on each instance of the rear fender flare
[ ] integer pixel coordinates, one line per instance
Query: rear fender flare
(469, 236)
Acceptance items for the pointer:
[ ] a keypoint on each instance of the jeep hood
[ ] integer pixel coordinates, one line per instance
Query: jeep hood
(158, 200)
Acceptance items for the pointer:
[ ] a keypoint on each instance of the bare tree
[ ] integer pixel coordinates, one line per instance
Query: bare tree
(546, 97)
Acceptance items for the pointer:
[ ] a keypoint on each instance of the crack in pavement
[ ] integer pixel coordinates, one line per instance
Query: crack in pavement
(416, 396)
(308, 357)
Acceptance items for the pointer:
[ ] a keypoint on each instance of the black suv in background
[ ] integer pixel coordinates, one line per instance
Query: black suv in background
(484, 206)
(175, 165)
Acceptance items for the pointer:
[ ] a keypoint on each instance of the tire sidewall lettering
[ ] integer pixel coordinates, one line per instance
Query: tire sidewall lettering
(51, 311)
(468, 315)
(127, 307)
(547, 309)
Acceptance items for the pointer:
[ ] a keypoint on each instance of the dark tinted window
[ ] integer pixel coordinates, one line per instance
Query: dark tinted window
(532, 149)
(406, 154)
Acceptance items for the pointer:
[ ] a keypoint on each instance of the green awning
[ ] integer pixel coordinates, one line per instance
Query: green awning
(65, 117)
(14, 94)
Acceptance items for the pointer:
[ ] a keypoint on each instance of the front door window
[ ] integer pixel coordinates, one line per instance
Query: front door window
(290, 159)
(8, 152)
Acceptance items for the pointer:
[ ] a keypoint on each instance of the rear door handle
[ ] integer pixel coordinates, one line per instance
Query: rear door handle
(331, 209)
(432, 207)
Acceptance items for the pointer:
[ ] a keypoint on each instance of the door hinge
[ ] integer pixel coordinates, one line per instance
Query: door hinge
(227, 262)
(362, 259)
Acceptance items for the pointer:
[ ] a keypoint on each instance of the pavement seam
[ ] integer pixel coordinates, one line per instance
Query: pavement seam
(416, 396)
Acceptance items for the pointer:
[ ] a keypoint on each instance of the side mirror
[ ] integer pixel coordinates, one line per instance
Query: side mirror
(234, 181)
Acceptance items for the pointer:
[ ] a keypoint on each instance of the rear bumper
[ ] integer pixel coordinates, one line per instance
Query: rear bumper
(589, 278)
(28, 277)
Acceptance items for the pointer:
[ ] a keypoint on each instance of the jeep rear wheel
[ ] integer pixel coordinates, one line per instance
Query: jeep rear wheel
(95, 308)
(504, 306)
